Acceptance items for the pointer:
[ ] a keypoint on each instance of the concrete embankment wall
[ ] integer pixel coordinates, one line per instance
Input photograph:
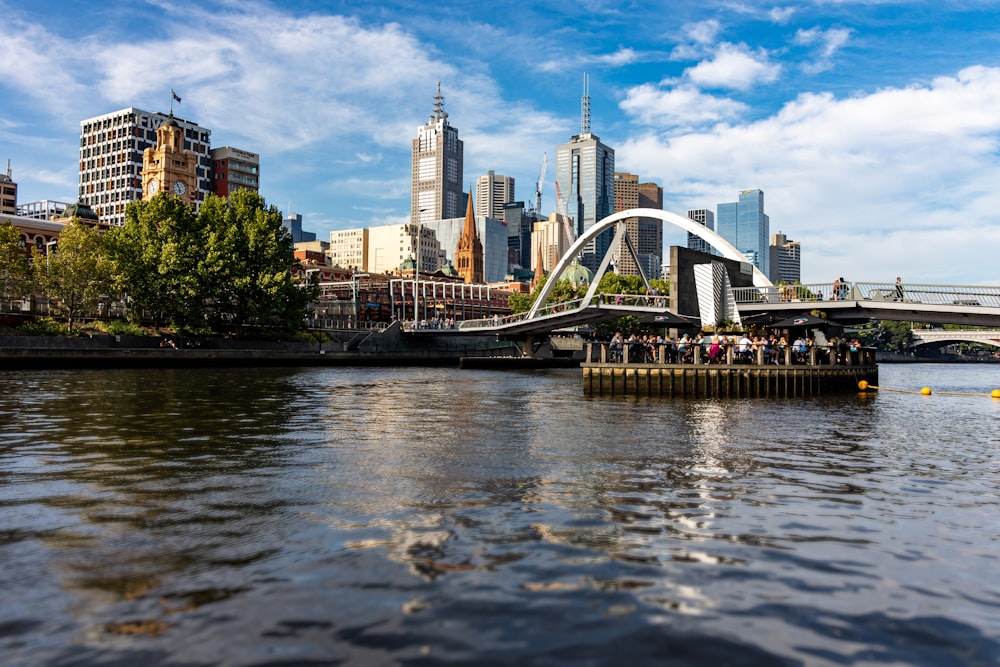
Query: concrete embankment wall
(351, 348)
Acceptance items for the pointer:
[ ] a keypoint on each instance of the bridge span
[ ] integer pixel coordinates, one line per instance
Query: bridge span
(969, 305)
(941, 337)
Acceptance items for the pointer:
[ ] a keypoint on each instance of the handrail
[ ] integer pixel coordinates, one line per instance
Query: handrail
(918, 293)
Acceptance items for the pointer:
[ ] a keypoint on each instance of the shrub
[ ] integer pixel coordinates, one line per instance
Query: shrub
(44, 326)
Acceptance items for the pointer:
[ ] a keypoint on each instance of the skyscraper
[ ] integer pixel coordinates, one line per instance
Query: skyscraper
(493, 192)
(646, 233)
(744, 224)
(436, 174)
(111, 149)
(707, 219)
(585, 172)
(786, 259)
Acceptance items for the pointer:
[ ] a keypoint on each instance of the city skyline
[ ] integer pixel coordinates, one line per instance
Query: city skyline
(872, 130)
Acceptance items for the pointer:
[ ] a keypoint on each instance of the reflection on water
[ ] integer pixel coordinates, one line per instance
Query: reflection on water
(427, 515)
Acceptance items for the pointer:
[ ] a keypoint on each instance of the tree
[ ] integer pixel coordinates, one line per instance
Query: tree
(15, 274)
(247, 265)
(156, 257)
(75, 274)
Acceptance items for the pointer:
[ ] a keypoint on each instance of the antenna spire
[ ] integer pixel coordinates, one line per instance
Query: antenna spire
(439, 112)
(585, 106)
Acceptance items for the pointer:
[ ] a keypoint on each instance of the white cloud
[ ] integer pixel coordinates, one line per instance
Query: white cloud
(899, 181)
(828, 43)
(781, 15)
(699, 36)
(733, 66)
(681, 106)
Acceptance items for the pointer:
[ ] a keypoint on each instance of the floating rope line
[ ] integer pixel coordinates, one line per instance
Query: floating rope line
(926, 391)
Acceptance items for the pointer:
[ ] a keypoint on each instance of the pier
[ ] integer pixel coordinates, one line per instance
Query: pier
(817, 372)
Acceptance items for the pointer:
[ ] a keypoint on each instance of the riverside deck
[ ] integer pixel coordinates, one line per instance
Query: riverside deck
(816, 373)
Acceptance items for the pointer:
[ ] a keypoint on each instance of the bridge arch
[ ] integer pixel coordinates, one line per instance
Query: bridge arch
(686, 224)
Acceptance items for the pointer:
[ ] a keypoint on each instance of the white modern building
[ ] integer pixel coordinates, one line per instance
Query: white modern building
(493, 192)
(111, 148)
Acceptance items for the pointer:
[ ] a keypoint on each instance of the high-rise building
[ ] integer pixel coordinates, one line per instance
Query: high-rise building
(234, 169)
(744, 224)
(8, 193)
(786, 259)
(493, 192)
(520, 224)
(646, 233)
(585, 172)
(436, 174)
(293, 223)
(111, 150)
(550, 241)
(705, 218)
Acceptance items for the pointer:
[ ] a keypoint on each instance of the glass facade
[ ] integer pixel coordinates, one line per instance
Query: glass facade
(585, 171)
(744, 224)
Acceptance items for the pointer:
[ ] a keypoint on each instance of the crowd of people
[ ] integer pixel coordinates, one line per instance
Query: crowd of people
(744, 349)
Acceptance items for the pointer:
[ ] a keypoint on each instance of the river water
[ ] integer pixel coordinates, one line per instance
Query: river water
(415, 516)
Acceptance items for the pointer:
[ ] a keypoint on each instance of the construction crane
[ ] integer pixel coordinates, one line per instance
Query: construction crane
(539, 183)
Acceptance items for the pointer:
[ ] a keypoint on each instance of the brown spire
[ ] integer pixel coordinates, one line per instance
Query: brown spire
(539, 268)
(470, 220)
(469, 253)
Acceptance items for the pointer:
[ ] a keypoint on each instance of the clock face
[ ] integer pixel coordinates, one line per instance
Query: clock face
(180, 188)
(153, 187)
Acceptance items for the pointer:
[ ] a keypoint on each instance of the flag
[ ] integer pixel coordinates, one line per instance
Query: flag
(176, 96)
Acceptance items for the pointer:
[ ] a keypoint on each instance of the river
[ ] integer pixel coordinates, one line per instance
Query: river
(425, 516)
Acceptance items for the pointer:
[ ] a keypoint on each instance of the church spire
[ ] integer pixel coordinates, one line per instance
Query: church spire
(469, 253)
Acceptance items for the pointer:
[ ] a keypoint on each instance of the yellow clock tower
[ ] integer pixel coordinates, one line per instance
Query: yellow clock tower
(168, 167)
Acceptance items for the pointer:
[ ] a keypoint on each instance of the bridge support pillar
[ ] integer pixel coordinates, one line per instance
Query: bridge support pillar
(528, 346)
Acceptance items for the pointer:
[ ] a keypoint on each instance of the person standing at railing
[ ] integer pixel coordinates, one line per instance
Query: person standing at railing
(899, 289)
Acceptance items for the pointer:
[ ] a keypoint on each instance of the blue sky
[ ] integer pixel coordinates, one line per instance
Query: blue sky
(873, 128)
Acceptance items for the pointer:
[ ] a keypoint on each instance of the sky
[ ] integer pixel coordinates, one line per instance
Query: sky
(872, 127)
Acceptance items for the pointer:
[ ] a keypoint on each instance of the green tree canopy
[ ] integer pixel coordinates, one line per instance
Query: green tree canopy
(75, 275)
(156, 257)
(15, 275)
(248, 264)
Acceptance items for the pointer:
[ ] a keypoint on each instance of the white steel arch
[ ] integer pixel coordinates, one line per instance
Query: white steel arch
(686, 224)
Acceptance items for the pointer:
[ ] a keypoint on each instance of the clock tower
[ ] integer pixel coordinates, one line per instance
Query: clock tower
(168, 167)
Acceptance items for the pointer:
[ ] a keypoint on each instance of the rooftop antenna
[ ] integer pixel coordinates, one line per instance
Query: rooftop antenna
(439, 112)
(585, 106)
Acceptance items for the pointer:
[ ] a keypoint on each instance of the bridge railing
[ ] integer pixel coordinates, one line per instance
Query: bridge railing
(498, 320)
(931, 295)
(625, 300)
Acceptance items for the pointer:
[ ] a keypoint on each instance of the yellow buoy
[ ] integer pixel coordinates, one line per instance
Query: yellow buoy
(926, 391)
(995, 393)
(863, 385)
